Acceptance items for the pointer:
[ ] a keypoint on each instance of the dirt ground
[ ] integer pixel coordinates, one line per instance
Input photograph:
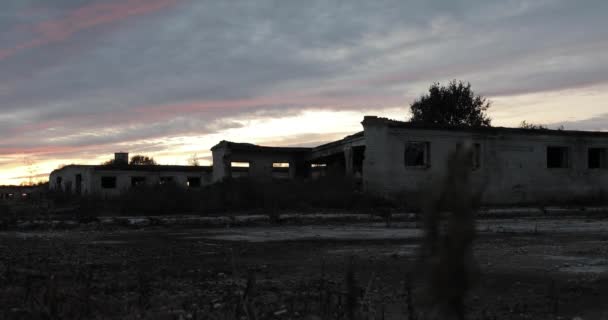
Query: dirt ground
(534, 268)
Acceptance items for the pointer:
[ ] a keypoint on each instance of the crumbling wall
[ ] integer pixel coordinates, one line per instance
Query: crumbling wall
(513, 167)
(260, 163)
(151, 178)
(221, 163)
(69, 183)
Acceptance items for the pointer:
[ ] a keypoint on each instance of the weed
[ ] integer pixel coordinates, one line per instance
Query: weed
(232, 195)
(447, 247)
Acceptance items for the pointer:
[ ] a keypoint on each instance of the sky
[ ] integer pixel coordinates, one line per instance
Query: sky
(82, 79)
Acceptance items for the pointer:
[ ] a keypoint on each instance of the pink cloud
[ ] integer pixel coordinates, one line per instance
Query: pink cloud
(302, 100)
(83, 18)
(51, 151)
(33, 127)
(41, 150)
(145, 114)
(158, 113)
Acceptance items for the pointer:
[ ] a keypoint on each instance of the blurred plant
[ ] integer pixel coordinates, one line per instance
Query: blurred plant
(449, 233)
(193, 160)
(142, 160)
(532, 126)
(31, 169)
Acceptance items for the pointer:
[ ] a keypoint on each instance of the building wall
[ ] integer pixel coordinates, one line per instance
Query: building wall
(124, 179)
(513, 168)
(68, 179)
(21, 193)
(92, 179)
(343, 157)
(221, 165)
(260, 163)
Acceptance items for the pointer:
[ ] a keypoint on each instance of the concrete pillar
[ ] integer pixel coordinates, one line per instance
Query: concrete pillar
(221, 164)
(293, 169)
(226, 167)
(348, 161)
(259, 169)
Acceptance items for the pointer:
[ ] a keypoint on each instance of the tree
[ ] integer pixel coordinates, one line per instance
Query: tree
(531, 126)
(142, 160)
(193, 160)
(455, 105)
(31, 170)
(108, 163)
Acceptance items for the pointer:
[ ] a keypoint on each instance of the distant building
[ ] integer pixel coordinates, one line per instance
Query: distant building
(394, 159)
(115, 178)
(21, 192)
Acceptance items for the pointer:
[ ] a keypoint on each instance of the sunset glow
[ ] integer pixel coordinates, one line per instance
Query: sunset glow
(171, 78)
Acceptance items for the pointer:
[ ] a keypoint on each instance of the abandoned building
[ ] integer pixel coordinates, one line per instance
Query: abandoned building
(263, 162)
(8, 193)
(115, 178)
(394, 159)
(509, 165)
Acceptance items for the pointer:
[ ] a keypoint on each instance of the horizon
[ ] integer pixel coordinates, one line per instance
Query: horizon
(171, 78)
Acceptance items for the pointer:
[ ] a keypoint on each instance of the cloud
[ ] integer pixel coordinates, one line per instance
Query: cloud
(81, 18)
(34, 176)
(597, 123)
(307, 140)
(76, 76)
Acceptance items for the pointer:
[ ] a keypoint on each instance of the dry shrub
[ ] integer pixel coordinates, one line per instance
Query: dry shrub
(449, 233)
(242, 195)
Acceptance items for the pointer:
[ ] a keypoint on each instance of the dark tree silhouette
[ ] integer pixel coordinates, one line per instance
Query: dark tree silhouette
(193, 160)
(532, 126)
(108, 163)
(142, 160)
(455, 104)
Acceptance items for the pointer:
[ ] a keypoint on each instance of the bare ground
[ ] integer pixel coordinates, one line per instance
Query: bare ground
(536, 268)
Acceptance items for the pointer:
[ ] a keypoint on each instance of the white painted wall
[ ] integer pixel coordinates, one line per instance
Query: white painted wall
(220, 163)
(68, 178)
(513, 166)
(91, 182)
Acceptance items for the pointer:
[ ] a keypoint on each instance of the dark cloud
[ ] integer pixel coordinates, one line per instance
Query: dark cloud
(184, 67)
(34, 176)
(598, 123)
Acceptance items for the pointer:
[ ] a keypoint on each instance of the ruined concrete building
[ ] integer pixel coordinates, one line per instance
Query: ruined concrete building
(20, 192)
(392, 158)
(112, 179)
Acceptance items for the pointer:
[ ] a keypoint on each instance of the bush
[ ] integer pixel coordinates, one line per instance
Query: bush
(329, 193)
(156, 200)
(233, 195)
(61, 199)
